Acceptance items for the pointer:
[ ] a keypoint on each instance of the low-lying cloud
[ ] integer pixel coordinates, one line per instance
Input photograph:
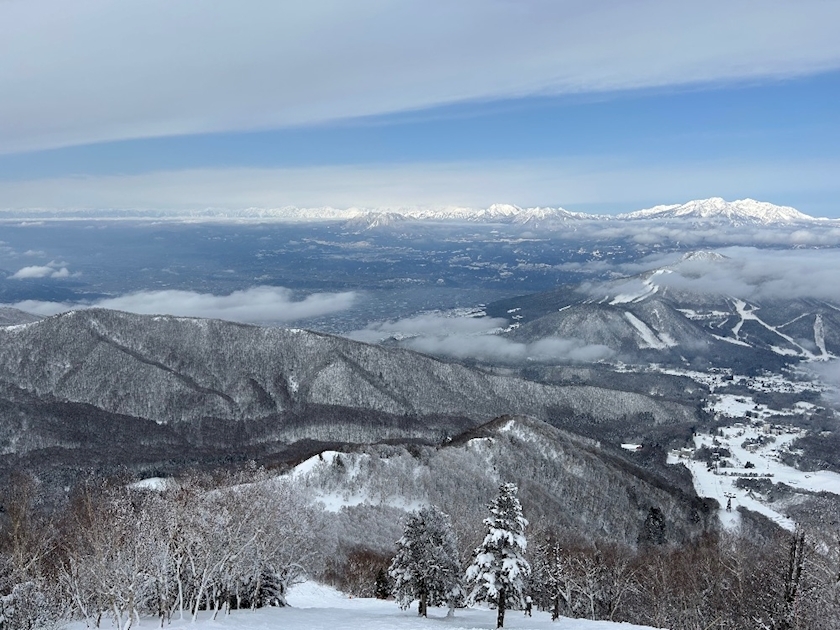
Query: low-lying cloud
(261, 304)
(758, 274)
(746, 272)
(50, 270)
(426, 324)
(495, 348)
(687, 234)
(476, 338)
(829, 373)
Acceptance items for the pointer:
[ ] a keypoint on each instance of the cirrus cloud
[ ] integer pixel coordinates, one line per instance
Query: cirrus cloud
(95, 71)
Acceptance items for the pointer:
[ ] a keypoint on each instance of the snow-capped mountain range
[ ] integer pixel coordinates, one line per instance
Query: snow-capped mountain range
(717, 209)
(382, 217)
(707, 211)
(713, 210)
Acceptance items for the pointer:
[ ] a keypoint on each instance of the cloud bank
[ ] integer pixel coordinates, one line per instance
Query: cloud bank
(748, 273)
(475, 338)
(93, 70)
(762, 274)
(262, 304)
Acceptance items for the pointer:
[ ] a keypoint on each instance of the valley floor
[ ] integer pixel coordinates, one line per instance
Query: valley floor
(760, 460)
(317, 607)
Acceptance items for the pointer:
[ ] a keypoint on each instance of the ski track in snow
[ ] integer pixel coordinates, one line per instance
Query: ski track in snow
(648, 289)
(317, 607)
(737, 342)
(649, 338)
(819, 337)
(744, 314)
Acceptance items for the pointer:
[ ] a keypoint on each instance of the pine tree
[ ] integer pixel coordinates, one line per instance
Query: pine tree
(653, 529)
(426, 566)
(381, 587)
(499, 569)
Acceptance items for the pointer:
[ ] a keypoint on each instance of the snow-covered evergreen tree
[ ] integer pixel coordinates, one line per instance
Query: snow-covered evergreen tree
(499, 570)
(426, 566)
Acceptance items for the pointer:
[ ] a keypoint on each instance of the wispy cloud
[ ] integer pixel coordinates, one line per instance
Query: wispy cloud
(255, 305)
(92, 70)
(500, 349)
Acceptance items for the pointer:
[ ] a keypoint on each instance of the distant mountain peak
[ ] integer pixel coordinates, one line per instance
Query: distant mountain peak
(703, 255)
(716, 209)
(373, 220)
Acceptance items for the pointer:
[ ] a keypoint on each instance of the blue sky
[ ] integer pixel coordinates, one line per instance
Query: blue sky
(402, 104)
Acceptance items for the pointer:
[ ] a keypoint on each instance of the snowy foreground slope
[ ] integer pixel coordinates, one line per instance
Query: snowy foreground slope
(316, 607)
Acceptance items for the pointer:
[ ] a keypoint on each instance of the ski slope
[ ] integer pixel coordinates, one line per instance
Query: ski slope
(764, 442)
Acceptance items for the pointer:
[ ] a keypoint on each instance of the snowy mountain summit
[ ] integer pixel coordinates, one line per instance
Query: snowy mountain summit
(703, 255)
(717, 210)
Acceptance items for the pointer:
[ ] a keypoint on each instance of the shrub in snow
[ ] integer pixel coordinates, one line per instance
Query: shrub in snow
(426, 565)
(499, 570)
(27, 607)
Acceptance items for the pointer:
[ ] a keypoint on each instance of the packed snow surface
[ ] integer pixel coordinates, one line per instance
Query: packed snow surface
(317, 607)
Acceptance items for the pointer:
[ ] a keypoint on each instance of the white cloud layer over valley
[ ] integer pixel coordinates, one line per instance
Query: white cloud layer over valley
(748, 273)
(254, 305)
(474, 338)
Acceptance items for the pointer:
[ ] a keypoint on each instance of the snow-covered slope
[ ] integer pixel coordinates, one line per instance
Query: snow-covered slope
(755, 450)
(715, 209)
(556, 471)
(316, 607)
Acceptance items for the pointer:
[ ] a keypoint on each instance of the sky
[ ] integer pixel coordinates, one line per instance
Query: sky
(598, 106)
